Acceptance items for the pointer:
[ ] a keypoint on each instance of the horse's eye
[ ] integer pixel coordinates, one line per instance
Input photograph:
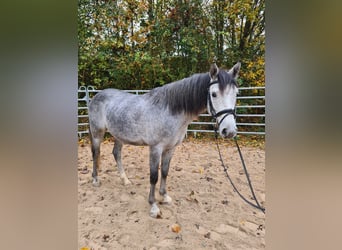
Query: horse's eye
(213, 94)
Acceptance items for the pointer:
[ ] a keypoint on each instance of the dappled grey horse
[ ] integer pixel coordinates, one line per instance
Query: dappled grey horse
(160, 119)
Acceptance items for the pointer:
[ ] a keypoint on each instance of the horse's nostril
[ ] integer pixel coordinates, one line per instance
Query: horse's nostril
(231, 135)
(224, 131)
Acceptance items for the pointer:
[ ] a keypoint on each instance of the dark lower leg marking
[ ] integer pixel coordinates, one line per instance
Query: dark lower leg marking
(95, 149)
(166, 159)
(96, 139)
(154, 164)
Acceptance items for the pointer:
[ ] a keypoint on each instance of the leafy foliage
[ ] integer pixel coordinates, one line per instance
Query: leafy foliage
(141, 44)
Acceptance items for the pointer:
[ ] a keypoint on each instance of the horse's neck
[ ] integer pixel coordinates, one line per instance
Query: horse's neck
(188, 96)
(188, 118)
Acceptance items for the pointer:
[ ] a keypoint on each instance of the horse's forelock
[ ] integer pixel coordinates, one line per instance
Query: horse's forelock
(225, 79)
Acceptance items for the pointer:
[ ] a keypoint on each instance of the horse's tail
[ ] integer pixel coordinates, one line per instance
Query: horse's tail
(90, 135)
(97, 124)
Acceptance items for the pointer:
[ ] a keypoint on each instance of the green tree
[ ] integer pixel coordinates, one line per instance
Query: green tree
(143, 44)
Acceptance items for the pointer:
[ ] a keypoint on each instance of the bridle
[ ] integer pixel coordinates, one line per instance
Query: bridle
(213, 112)
(216, 115)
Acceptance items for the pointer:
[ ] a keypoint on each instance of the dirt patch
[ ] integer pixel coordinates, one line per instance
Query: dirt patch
(205, 214)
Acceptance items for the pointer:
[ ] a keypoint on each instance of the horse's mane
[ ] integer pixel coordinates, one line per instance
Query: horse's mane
(188, 95)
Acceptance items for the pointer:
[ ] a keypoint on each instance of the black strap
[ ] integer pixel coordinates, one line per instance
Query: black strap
(222, 112)
(211, 83)
(226, 111)
(225, 169)
(247, 176)
(212, 109)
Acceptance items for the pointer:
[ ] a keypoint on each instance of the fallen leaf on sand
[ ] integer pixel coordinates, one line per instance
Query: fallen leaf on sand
(84, 170)
(191, 197)
(198, 171)
(175, 228)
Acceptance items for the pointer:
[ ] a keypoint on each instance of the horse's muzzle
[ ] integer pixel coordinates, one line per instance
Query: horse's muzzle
(225, 133)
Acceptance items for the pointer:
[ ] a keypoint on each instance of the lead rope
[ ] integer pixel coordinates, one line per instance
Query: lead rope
(225, 169)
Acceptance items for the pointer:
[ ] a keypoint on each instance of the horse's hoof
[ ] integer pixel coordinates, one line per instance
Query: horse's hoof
(155, 211)
(96, 183)
(167, 199)
(127, 182)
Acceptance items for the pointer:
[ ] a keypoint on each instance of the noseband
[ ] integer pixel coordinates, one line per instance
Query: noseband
(213, 112)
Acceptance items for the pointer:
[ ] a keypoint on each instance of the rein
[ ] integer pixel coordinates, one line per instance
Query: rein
(225, 169)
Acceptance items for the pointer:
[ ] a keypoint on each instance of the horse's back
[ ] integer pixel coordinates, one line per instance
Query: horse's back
(99, 105)
(108, 98)
(117, 111)
(107, 95)
(135, 119)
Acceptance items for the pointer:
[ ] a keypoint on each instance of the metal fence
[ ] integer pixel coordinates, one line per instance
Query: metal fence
(250, 109)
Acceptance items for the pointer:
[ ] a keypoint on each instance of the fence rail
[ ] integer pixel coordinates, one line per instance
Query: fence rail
(250, 112)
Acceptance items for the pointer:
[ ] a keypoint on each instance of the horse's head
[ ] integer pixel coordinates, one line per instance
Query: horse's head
(221, 101)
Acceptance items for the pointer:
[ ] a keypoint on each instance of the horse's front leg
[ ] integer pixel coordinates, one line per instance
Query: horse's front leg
(155, 153)
(166, 158)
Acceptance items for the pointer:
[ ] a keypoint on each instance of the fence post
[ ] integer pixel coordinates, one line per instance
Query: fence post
(87, 94)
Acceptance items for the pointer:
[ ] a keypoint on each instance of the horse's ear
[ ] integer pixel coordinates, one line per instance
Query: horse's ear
(234, 71)
(213, 71)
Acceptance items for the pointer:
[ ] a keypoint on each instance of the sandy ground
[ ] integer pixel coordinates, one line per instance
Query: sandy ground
(210, 215)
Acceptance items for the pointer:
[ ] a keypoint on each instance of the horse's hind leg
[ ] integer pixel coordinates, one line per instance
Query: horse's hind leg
(96, 139)
(117, 156)
(166, 158)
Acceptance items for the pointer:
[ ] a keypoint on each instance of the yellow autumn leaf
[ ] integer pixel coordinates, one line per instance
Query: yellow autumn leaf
(175, 228)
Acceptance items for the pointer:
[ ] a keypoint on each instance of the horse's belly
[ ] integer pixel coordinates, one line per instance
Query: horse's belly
(136, 143)
(132, 139)
(146, 130)
(151, 138)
